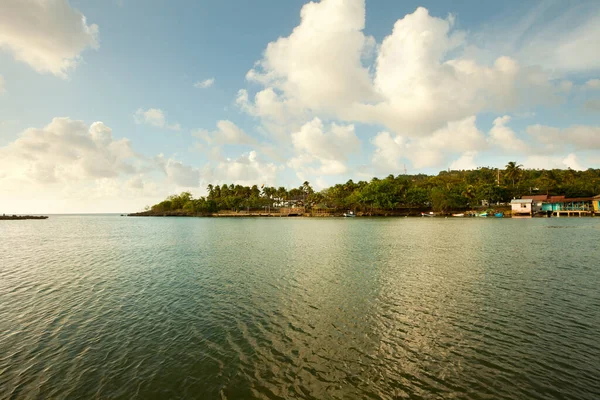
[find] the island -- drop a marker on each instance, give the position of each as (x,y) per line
(480,192)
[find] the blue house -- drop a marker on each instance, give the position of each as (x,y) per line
(561,206)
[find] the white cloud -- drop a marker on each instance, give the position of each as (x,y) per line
(329,148)
(465,162)
(456,137)
(593,84)
(577,137)
(154,117)
(205,83)
(388,151)
(182,175)
(48,35)
(320,62)
(227,133)
(415,88)
(503,137)
(82,168)
(68,151)
(572,162)
(248,169)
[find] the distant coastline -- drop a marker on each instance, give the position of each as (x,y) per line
(5,217)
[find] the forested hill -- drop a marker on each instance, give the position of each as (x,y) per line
(449,190)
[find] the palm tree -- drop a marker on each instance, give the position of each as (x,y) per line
(469,193)
(513,171)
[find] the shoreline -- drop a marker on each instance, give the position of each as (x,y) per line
(244,214)
(21,217)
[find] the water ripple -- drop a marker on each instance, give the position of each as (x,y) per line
(109,307)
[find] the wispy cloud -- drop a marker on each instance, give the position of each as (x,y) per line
(154,117)
(205,83)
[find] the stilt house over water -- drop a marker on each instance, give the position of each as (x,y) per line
(556,205)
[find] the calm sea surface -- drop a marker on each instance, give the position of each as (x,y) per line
(115,307)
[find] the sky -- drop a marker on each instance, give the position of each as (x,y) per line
(112,105)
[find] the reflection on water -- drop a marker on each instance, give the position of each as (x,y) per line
(299,308)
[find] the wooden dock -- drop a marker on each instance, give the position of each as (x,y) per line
(572,213)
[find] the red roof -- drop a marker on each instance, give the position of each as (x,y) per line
(561,199)
(537,197)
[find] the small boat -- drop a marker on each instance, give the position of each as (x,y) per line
(349,214)
(427,215)
(458,215)
(483,214)
(499,215)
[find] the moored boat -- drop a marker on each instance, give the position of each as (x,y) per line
(458,215)
(349,214)
(426,215)
(483,214)
(499,215)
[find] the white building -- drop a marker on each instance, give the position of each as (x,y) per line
(521,206)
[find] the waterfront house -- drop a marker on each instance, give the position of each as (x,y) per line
(538,201)
(562,206)
(521,206)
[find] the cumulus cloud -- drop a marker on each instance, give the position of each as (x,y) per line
(48,35)
(465,162)
(181,174)
(577,137)
(329,147)
(248,169)
(320,62)
(503,137)
(456,137)
(154,117)
(226,133)
(204,84)
(571,161)
(417,84)
(66,151)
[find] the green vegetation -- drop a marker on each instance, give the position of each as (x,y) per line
(452,190)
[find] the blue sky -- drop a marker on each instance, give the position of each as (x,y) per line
(108,113)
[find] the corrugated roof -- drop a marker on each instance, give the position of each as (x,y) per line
(521,201)
(574,199)
(536,197)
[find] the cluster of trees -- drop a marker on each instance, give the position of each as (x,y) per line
(449,190)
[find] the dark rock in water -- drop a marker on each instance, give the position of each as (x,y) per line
(19,217)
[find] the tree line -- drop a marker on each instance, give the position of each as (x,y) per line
(449,190)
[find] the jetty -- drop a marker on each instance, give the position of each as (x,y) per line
(5,217)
